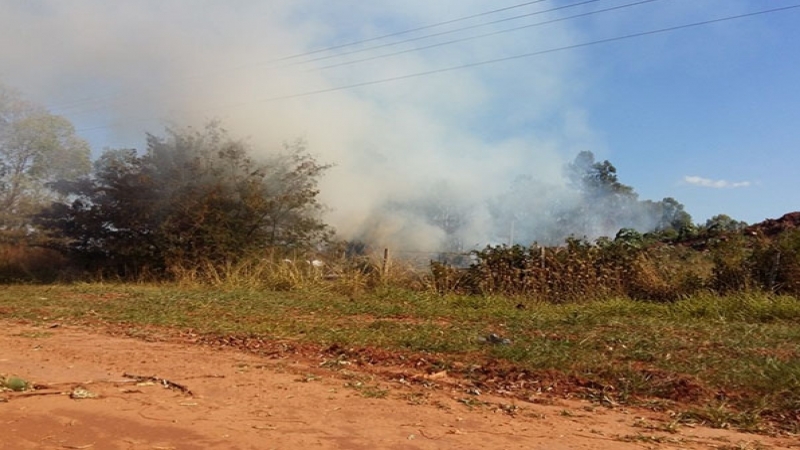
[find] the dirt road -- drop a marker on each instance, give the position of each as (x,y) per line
(94,390)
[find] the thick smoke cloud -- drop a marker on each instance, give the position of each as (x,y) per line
(412,157)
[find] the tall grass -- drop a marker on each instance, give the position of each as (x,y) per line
(584,271)
(349,276)
(579,271)
(21,263)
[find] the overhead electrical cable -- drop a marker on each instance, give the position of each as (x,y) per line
(494,60)
(519,56)
(83,101)
(443,33)
(480,36)
(99,100)
(408,31)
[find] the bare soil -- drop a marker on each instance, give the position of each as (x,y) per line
(94,388)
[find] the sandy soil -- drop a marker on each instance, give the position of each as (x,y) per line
(176,395)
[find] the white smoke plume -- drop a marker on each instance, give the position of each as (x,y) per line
(457,138)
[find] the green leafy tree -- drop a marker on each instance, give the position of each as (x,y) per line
(193,197)
(723,223)
(36,148)
(606,204)
(673,215)
(595,204)
(596,179)
(613,205)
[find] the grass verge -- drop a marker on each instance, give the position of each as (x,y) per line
(729,361)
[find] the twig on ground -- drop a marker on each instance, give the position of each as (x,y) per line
(162,381)
(429,437)
(35,393)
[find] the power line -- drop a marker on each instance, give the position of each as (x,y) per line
(408,31)
(442,33)
(481,36)
(520,56)
(584,2)
(495,60)
(84,101)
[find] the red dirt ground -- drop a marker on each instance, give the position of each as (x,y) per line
(237,400)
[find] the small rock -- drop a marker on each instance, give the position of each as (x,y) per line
(496,339)
(80,393)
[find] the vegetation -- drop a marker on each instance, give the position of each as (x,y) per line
(194,198)
(632,266)
(723,361)
(36,148)
(214,237)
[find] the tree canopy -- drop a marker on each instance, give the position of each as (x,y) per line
(36,148)
(595,203)
(194,196)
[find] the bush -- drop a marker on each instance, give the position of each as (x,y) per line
(775,264)
(21,263)
(192,199)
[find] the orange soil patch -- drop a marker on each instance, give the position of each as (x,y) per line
(293,399)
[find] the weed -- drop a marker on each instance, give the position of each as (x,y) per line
(666,427)
(649,439)
(745,445)
(367,390)
(472,402)
(417,398)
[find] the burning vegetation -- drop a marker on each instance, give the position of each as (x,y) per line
(199,203)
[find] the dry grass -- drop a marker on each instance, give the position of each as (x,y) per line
(21,263)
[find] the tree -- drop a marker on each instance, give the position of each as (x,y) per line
(596,179)
(606,204)
(36,148)
(193,197)
(723,223)
(673,216)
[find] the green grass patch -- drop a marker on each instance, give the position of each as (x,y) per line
(735,358)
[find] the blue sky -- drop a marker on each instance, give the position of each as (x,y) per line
(708,115)
(714,103)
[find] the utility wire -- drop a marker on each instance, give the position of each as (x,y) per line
(86,100)
(408,31)
(520,56)
(481,36)
(496,60)
(443,33)
(99,100)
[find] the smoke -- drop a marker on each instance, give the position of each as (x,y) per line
(423,163)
